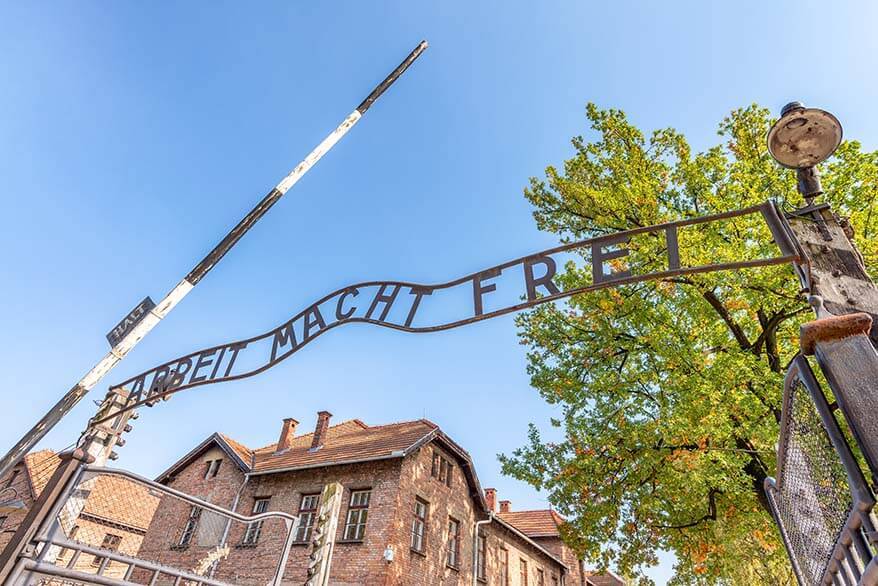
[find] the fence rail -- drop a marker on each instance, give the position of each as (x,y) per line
(115,528)
(820,500)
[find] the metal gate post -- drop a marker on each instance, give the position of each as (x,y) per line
(847,357)
(41,513)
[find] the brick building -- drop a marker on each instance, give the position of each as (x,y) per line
(413,511)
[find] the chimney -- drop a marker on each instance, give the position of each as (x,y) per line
(320,430)
(504,506)
(491,497)
(287,431)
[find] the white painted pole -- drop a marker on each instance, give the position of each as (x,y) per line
(137,333)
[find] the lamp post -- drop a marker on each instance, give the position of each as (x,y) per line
(832,273)
(802,138)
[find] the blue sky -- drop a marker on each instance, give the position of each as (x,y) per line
(132,136)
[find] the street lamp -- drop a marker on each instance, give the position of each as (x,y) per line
(802,138)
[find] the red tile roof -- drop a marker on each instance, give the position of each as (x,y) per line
(242,451)
(540,523)
(119,500)
(349,441)
(40,467)
(111,498)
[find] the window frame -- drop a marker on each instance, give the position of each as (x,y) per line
(442,469)
(213,467)
(189,527)
(437,458)
(452,542)
(419,520)
(254,528)
(482,557)
(541,577)
(362,516)
(115,542)
(504,566)
(522,571)
(304,531)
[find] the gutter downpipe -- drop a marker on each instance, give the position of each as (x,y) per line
(476,526)
(228,526)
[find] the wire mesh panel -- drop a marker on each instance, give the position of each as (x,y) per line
(116,527)
(820,499)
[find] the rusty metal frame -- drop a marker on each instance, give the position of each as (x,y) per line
(48,538)
(850,544)
(166,382)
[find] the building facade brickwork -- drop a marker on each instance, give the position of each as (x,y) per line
(412,512)
(424,501)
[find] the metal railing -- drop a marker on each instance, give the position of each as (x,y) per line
(820,500)
(112,527)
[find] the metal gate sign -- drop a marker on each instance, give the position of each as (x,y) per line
(647,253)
(134,317)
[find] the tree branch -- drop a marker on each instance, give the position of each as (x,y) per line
(710,516)
(736,329)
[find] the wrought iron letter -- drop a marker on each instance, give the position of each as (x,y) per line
(545,280)
(313,311)
(179,373)
(343,315)
(235,348)
(158,380)
(282,336)
(599,256)
(418,292)
(480,289)
(387,300)
(204,359)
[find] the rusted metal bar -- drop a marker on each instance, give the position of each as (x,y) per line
(71,465)
(151,318)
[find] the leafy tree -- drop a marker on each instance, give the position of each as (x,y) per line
(670,390)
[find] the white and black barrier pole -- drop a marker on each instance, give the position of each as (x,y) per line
(147,315)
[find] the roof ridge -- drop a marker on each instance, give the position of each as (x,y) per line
(531,511)
(231,440)
(355,421)
(429,423)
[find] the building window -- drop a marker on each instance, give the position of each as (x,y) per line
(554,580)
(504,566)
(541,578)
(3,520)
(358,511)
(212,468)
(453,558)
(111,543)
(254,528)
(481,558)
(441,469)
(307,514)
(189,527)
(419,525)
(522,568)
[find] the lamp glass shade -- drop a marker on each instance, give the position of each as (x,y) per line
(804,137)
